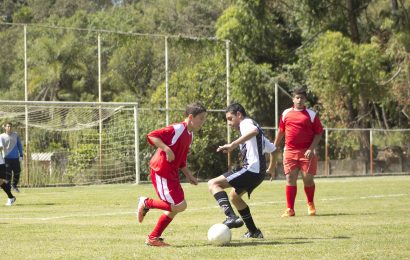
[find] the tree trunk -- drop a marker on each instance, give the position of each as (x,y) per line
(394,5)
(351,14)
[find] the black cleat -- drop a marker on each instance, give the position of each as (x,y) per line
(233,222)
(255,234)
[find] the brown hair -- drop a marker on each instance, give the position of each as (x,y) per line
(299,91)
(194,109)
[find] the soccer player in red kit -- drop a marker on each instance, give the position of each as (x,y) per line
(173,144)
(302,130)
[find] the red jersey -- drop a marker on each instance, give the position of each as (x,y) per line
(300,127)
(179,139)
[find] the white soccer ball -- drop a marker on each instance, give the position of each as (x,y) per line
(219,234)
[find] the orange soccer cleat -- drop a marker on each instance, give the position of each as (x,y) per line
(311,209)
(142,210)
(156,241)
(288,213)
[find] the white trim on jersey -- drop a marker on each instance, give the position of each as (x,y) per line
(179,129)
(311,113)
(163,190)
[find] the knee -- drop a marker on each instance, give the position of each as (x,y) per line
(211,184)
(234,197)
(180,207)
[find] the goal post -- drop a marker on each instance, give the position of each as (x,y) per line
(75,143)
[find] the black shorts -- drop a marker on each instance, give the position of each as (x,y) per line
(244,180)
(3,173)
(13,165)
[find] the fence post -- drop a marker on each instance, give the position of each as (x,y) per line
(371,151)
(327,166)
(166,82)
(228,97)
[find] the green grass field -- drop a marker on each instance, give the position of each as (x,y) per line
(358,218)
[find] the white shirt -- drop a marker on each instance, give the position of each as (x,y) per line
(1,152)
(250,148)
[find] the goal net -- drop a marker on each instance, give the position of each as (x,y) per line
(75,142)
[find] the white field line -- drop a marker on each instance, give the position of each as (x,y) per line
(192,209)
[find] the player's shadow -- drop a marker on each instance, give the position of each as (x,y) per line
(34,204)
(316,238)
(341,214)
(262,242)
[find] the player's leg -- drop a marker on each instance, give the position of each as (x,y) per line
(6,188)
(251,181)
(15,166)
(9,172)
(217,188)
(291,191)
(171,200)
(309,168)
(291,167)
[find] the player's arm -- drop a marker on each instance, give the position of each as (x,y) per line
(279,138)
(230,147)
(160,144)
(273,158)
(189,176)
(20,147)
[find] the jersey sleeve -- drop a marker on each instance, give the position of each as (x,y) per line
(165,134)
(281,124)
(268,147)
(19,146)
(247,126)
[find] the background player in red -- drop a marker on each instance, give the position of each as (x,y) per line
(302,130)
(173,144)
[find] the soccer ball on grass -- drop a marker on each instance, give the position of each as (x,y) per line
(219,234)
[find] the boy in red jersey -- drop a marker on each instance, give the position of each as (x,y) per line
(302,130)
(173,144)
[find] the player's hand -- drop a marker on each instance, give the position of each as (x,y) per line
(309,153)
(192,179)
(170,154)
(224,148)
(272,172)
(20,159)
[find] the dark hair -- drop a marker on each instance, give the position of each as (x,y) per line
(8,123)
(234,108)
(194,109)
(299,91)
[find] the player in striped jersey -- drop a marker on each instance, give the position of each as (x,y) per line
(252,144)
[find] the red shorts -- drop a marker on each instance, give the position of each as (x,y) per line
(293,159)
(167,190)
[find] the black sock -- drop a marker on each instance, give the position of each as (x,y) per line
(6,189)
(247,218)
(223,201)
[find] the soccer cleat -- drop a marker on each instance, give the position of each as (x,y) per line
(311,209)
(255,234)
(156,241)
(233,222)
(10,201)
(142,209)
(288,213)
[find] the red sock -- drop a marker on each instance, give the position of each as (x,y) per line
(157,204)
(310,193)
(162,224)
(291,196)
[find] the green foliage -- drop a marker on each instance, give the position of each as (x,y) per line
(344,76)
